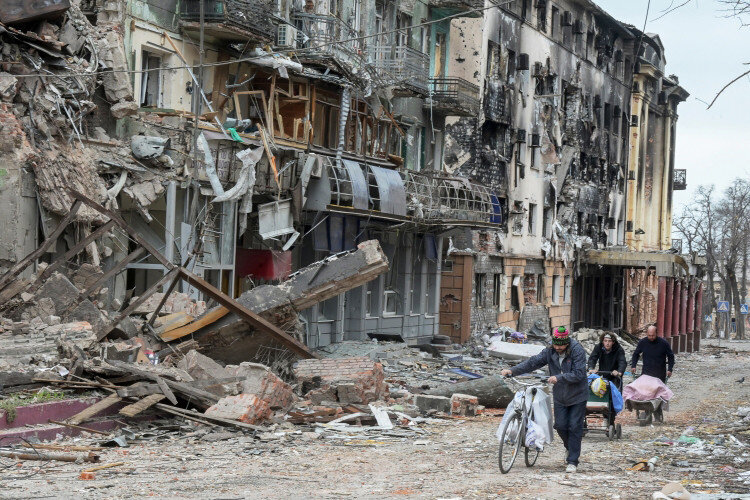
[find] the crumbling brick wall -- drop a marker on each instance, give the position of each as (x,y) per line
(346,380)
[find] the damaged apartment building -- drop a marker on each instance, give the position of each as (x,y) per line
(575,137)
(514,161)
(243,140)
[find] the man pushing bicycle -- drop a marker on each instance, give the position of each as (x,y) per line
(566,362)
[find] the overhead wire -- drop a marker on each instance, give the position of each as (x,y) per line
(263,56)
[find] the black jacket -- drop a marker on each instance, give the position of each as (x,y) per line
(608,361)
(572,386)
(656,356)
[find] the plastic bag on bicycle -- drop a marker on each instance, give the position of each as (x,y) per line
(539,429)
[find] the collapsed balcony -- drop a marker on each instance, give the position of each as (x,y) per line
(405,68)
(453,96)
(381,193)
(231,20)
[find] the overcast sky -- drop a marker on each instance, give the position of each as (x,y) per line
(706,51)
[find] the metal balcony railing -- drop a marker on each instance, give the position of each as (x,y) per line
(252,16)
(471,7)
(680,179)
(454,96)
(326,35)
(402,66)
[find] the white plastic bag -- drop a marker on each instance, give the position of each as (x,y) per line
(535,436)
(509,412)
(542,408)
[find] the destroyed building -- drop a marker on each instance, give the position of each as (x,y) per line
(575,136)
(514,162)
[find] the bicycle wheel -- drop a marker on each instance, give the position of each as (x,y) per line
(510,443)
(530,455)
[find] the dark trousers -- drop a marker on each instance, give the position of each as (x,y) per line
(569,425)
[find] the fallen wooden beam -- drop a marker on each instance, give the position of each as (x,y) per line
(205,320)
(80,428)
(59,457)
(92,410)
(143,404)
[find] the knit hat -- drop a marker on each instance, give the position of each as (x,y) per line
(560,336)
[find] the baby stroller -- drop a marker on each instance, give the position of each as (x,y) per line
(600,411)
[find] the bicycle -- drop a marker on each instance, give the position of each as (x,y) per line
(514,432)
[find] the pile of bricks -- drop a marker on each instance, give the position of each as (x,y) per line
(357,380)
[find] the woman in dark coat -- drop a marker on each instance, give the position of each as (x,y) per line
(610,356)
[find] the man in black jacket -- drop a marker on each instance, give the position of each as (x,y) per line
(610,356)
(566,361)
(658,358)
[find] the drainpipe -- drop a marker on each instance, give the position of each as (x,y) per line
(343,116)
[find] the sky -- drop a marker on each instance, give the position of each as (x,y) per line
(706,50)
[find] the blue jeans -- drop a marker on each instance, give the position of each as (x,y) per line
(569,425)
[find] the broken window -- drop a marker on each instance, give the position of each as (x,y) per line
(556,289)
(497,289)
(479,288)
(511,68)
(541,16)
(440,55)
(403,25)
(516,293)
(547,223)
(524,9)
(493,60)
(532,218)
(607,116)
(540,282)
(390,303)
(151,80)
(566,290)
(555,22)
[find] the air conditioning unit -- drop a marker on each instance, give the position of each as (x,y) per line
(538,69)
(287,37)
(633,120)
(536,141)
(523,62)
(520,135)
(567,18)
(578,27)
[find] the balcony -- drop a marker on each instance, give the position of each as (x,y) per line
(405,68)
(230,20)
(680,180)
(453,97)
(471,7)
(324,37)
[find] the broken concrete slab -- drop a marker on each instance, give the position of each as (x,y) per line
(426,403)
(511,351)
(227,339)
(202,367)
(247,408)
(361,380)
(260,380)
(123,109)
(86,275)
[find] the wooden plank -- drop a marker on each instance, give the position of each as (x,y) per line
(200,417)
(163,300)
(143,404)
(197,396)
(92,410)
(93,431)
(24,263)
(164,388)
(140,300)
(172,322)
(208,318)
(246,314)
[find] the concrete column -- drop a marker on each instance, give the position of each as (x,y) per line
(660,305)
(683,307)
(668,306)
(169,225)
(676,307)
(690,325)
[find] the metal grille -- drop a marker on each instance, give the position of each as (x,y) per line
(455,95)
(404,67)
(251,15)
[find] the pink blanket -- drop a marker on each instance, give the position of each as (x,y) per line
(645,388)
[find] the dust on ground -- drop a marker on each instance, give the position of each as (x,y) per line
(452,458)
